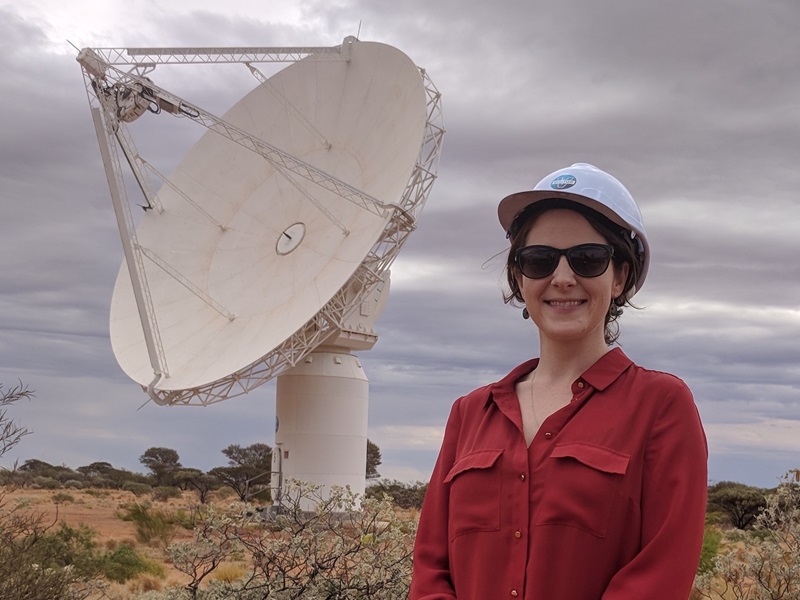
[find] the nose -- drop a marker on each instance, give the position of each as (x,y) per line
(563,276)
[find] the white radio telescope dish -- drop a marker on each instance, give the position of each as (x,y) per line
(278,227)
(242,253)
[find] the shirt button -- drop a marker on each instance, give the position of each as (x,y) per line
(522,476)
(581,385)
(517,534)
(514,593)
(548,435)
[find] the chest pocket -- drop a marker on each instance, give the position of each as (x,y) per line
(475,482)
(581,487)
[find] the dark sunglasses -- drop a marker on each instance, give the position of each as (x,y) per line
(585,260)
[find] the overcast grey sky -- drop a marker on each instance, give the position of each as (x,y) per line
(693,104)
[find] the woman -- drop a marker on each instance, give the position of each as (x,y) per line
(580,475)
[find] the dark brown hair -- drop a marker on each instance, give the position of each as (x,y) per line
(616,235)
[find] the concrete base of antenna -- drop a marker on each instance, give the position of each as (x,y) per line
(321,424)
(322,407)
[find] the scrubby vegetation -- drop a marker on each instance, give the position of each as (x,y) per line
(348,547)
(763,561)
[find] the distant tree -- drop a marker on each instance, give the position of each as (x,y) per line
(10,432)
(234,478)
(104,474)
(96,469)
(37,467)
(373,460)
(33,468)
(741,503)
(162,462)
(255,456)
(403,495)
(249,470)
(196,480)
(98,474)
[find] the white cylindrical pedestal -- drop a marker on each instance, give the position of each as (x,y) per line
(321,429)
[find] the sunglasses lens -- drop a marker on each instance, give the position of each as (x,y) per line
(589,260)
(537,262)
(586,260)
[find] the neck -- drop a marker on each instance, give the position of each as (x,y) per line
(565,362)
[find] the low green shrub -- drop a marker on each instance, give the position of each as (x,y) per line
(150,524)
(62,497)
(45,483)
(137,489)
(124,563)
(712,538)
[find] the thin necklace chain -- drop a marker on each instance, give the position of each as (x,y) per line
(533,403)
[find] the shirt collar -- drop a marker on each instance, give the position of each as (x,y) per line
(600,375)
(606,370)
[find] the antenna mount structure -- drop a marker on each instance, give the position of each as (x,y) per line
(272,239)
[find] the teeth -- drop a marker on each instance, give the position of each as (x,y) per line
(565,302)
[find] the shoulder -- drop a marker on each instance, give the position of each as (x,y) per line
(480,397)
(660,379)
(662,394)
(619,376)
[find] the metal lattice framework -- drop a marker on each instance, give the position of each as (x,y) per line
(104,79)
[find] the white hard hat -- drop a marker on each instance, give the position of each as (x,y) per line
(587,185)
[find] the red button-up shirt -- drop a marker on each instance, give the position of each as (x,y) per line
(608,502)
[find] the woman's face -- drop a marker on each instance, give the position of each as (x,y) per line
(564,306)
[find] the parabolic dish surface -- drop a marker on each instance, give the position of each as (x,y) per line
(278,257)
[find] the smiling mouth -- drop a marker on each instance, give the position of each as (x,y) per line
(564,303)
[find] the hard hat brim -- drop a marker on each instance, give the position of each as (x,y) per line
(514,204)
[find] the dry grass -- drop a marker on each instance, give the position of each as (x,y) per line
(98,510)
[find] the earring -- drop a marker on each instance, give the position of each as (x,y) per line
(525,313)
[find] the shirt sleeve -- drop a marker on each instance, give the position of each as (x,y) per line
(673,506)
(431,573)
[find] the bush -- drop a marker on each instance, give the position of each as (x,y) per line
(62,497)
(711,542)
(137,489)
(763,564)
(150,524)
(187,520)
(348,547)
(404,495)
(36,564)
(45,483)
(124,563)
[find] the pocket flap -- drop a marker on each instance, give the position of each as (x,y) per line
(480,459)
(597,457)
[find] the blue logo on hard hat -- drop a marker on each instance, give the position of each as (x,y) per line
(562,182)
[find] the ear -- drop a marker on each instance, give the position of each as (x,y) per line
(518,277)
(620,277)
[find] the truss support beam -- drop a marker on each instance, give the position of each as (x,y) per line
(133,258)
